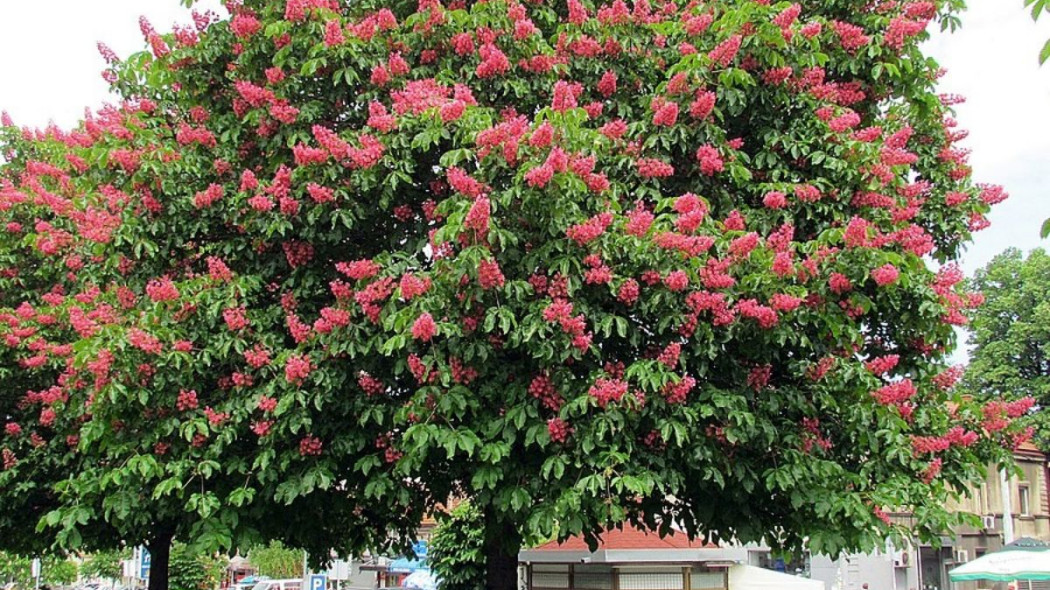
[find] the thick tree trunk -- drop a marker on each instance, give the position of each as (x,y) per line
(501,570)
(159,552)
(501,556)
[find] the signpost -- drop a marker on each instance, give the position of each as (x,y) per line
(35,570)
(318,582)
(144,563)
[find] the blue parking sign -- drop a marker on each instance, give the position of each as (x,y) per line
(144,563)
(318,582)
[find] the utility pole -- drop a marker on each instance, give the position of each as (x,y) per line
(1008,515)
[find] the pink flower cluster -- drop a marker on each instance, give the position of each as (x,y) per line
(559,430)
(310,446)
(606,391)
(560,311)
(956,436)
(413,286)
(477,218)
(677,392)
(669,355)
(886,274)
(895,393)
(653,168)
(358,269)
(628,292)
(297,368)
(710,160)
(144,341)
(723,54)
(881,365)
(370,384)
(162,289)
(751,308)
(758,377)
(424,328)
(542,388)
(590,229)
(236,318)
(187,400)
(489,274)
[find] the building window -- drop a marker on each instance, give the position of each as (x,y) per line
(1024,504)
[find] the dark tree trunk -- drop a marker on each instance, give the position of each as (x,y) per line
(159,553)
(501,570)
(501,556)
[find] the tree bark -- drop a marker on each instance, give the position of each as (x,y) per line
(501,556)
(501,570)
(160,553)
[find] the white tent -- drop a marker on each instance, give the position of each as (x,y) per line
(747,577)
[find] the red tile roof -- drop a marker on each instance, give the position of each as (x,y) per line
(630,537)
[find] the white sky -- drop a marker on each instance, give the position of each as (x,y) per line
(49,66)
(50,70)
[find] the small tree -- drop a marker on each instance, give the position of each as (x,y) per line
(104,564)
(277,561)
(15,569)
(457,549)
(193,570)
(58,570)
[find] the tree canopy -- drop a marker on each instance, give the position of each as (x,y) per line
(1010,339)
(580,263)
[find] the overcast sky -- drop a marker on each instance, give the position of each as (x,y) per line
(50,70)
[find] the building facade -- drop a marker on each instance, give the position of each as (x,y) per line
(633,559)
(924,567)
(636,560)
(1029,509)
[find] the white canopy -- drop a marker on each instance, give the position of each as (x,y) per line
(747,577)
(1024,559)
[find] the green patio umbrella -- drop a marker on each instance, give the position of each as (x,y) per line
(1024,559)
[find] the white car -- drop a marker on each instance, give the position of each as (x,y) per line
(288,584)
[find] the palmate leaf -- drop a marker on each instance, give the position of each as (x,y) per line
(1044,53)
(1037,6)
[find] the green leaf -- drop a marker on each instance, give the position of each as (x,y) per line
(1044,54)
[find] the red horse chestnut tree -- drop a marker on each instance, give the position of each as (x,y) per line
(665,262)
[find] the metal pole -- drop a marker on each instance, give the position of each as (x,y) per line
(1008,516)
(918,566)
(1008,513)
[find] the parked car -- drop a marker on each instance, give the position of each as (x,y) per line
(288,584)
(248,582)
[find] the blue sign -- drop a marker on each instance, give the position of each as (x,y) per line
(144,562)
(318,582)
